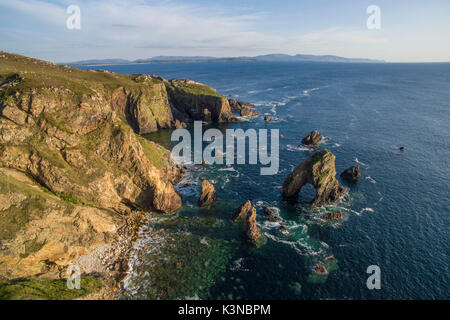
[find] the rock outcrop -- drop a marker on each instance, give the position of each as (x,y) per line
(270,215)
(320,269)
(352,174)
(313,139)
(333,216)
(245,109)
(192,101)
(208,194)
(242,212)
(247,213)
(319,171)
(251,228)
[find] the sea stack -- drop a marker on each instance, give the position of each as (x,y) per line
(242,212)
(352,174)
(247,213)
(208,195)
(313,139)
(251,228)
(319,171)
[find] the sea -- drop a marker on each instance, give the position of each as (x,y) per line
(396,215)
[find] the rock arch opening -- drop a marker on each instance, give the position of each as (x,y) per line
(307,194)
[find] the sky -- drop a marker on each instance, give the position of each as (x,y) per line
(410,30)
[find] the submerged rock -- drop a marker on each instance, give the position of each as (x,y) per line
(208,194)
(319,171)
(333,216)
(251,228)
(242,212)
(321,269)
(271,216)
(351,174)
(313,139)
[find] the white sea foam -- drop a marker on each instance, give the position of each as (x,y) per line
(237,265)
(308,91)
(371,179)
(361,163)
(367,209)
(228,169)
(305,250)
(291,147)
(204,242)
(270,225)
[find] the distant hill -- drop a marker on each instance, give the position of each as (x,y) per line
(199,59)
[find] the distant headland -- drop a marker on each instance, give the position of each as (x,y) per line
(199,59)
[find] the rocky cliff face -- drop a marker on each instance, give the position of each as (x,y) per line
(320,172)
(73,167)
(195,101)
(245,109)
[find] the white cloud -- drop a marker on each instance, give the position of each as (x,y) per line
(162,27)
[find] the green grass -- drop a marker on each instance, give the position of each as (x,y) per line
(197,89)
(47,289)
(70,198)
(158,156)
(31,246)
(41,74)
(193,88)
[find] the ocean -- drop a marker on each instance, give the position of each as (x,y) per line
(396,217)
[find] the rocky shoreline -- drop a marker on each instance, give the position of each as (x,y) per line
(77,176)
(79,182)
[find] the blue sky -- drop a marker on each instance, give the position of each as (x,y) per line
(411,30)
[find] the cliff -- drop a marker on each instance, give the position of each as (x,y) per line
(74,170)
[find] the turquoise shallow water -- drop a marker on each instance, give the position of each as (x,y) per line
(398,213)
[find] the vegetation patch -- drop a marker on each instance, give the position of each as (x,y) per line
(47,289)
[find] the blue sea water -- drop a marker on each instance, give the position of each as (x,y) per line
(398,213)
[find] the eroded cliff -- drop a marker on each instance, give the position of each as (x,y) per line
(73,168)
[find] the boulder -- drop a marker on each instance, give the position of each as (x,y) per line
(313,139)
(319,171)
(208,194)
(242,212)
(351,174)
